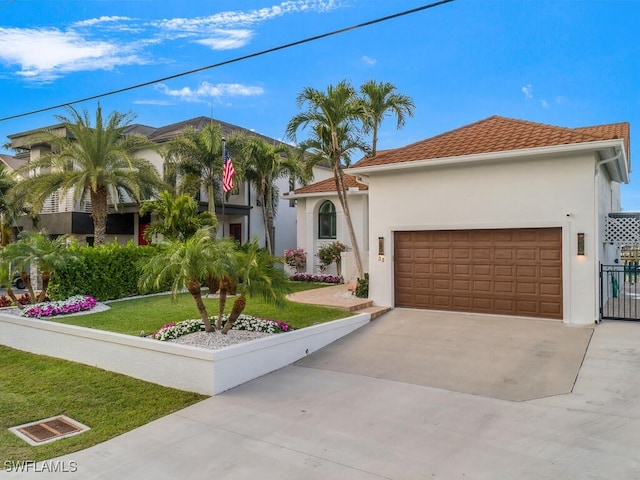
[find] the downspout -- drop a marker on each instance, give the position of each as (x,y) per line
(607,160)
(596,242)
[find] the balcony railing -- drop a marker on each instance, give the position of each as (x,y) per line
(61,203)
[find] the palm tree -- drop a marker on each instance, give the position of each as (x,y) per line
(11,206)
(263,164)
(380,99)
(176,218)
(258,277)
(37,248)
(93,161)
(187,265)
(335,117)
(197,156)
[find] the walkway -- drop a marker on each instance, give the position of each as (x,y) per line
(338,296)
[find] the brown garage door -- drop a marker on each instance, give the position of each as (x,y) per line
(507,271)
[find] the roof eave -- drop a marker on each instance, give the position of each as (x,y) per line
(492,156)
(294,196)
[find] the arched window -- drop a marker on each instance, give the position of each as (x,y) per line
(327,220)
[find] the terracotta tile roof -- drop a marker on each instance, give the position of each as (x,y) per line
(496,134)
(329,185)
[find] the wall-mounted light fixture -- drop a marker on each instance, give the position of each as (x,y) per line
(581,244)
(381,249)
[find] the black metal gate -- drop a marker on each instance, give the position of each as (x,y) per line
(619,292)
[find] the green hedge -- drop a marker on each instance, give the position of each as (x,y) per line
(106,272)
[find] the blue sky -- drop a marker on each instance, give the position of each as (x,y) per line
(565,63)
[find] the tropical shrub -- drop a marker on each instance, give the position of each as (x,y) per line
(362,288)
(296,258)
(316,278)
(106,272)
(330,253)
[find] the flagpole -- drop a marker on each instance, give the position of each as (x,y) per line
(224,148)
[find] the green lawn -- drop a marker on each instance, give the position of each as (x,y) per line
(150,313)
(34,387)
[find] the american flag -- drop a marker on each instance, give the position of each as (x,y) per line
(227,172)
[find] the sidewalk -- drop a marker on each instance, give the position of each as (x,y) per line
(316,423)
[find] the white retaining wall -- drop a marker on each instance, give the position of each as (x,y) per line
(179,366)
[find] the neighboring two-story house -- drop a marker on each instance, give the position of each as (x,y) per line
(242,218)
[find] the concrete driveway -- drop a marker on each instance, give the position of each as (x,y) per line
(328,419)
(509,358)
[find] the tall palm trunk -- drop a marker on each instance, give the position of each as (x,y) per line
(13,297)
(265,218)
(99,214)
(224,287)
(238,307)
(26,278)
(46,276)
(270,216)
(341,188)
(193,286)
(212,199)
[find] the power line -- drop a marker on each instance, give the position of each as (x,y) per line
(228,62)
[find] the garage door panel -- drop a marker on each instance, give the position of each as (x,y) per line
(528,288)
(462,269)
(503,287)
(481,304)
(441,237)
(441,254)
(422,268)
(527,307)
(482,254)
(550,289)
(482,286)
(551,273)
(480,271)
(442,269)
(516,272)
(462,286)
(442,302)
(461,254)
(422,254)
(462,303)
(551,309)
(550,254)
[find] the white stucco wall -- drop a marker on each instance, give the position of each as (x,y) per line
(534,192)
(307,230)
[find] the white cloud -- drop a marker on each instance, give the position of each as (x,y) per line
(46,53)
(239,18)
(226,39)
(528,91)
(207,90)
(94,21)
(105,42)
(544,103)
(369,60)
